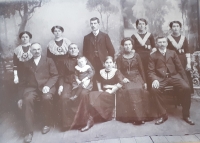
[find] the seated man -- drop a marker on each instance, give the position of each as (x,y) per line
(40,83)
(165,69)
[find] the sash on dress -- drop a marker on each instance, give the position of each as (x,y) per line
(144,40)
(178,45)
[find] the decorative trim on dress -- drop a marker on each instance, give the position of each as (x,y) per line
(21,55)
(144,40)
(108,75)
(56,50)
(178,45)
(82,69)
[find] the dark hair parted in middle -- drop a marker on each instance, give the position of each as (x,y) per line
(108,57)
(95,18)
(141,19)
(25,32)
(178,22)
(127,39)
(59,27)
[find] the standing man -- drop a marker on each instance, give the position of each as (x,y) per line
(165,69)
(39,84)
(96,46)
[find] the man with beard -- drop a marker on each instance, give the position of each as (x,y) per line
(39,84)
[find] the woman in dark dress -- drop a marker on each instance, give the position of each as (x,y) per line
(21,54)
(58,47)
(133,102)
(101,102)
(144,42)
(179,43)
(71,107)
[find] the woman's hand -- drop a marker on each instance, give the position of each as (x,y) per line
(60,90)
(73,97)
(45,89)
(126,80)
(16,79)
(109,91)
(188,67)
(19,103)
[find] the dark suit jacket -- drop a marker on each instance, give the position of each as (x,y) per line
(104,46)
(158,65)
(44,74)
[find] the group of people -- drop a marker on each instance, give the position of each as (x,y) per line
(86,84)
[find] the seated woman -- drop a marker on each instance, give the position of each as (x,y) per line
(102,101)
(133,101)
(70,106)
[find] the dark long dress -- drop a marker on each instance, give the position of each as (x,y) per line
(21,55)
(133,103)
(103,102)
(72,111)
(181,54)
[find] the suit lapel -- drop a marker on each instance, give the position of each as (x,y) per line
(40,63)
(99,36)
(160,56)
(167,54)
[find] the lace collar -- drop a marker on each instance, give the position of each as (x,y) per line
(82,69)
(21,55)
(108,75)
(56,50)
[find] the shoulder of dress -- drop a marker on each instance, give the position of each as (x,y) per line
(17,49)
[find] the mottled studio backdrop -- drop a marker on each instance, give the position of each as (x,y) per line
(117,19)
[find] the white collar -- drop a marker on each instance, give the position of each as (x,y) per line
(36,60)
(95,32)
(162,51)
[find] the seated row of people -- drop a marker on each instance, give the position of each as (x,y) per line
(73,77)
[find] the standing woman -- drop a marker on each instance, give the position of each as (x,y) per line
(133,102)
(58,47)
(179,43)
(21,54)
(144,42)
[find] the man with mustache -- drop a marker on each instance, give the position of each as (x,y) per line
(39,84)
(96,47)
(164,69)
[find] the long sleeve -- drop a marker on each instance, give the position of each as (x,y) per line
(140,65)
(109,46)
(152,41)
(53,74)
(15,62)
(85,48)
(90,73)
(151,69)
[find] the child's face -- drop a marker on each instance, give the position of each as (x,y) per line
(82,62)
(109,64)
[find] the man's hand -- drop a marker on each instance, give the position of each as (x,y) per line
(16,79)
(155,84)
(45,89)
(126,80)
(145,86)
(19,103)
(60,90)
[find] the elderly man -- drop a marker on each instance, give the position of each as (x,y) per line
(40,84)
(165,69)
(96,46)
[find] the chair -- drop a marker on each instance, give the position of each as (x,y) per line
(169,91)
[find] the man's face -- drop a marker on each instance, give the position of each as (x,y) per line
(36,50)
(94,25)
(73,50)
(162,43)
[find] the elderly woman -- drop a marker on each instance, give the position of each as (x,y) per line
(133,102)
(179,43)
(21,54)
(101,102)
(71,107)
(58,47)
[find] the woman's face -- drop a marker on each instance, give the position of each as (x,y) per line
(57,33)
(109,64)
(128,46)
(141,25)
(73,50)
(25,38)
(176,28)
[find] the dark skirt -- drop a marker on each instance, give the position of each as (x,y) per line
(134,103)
